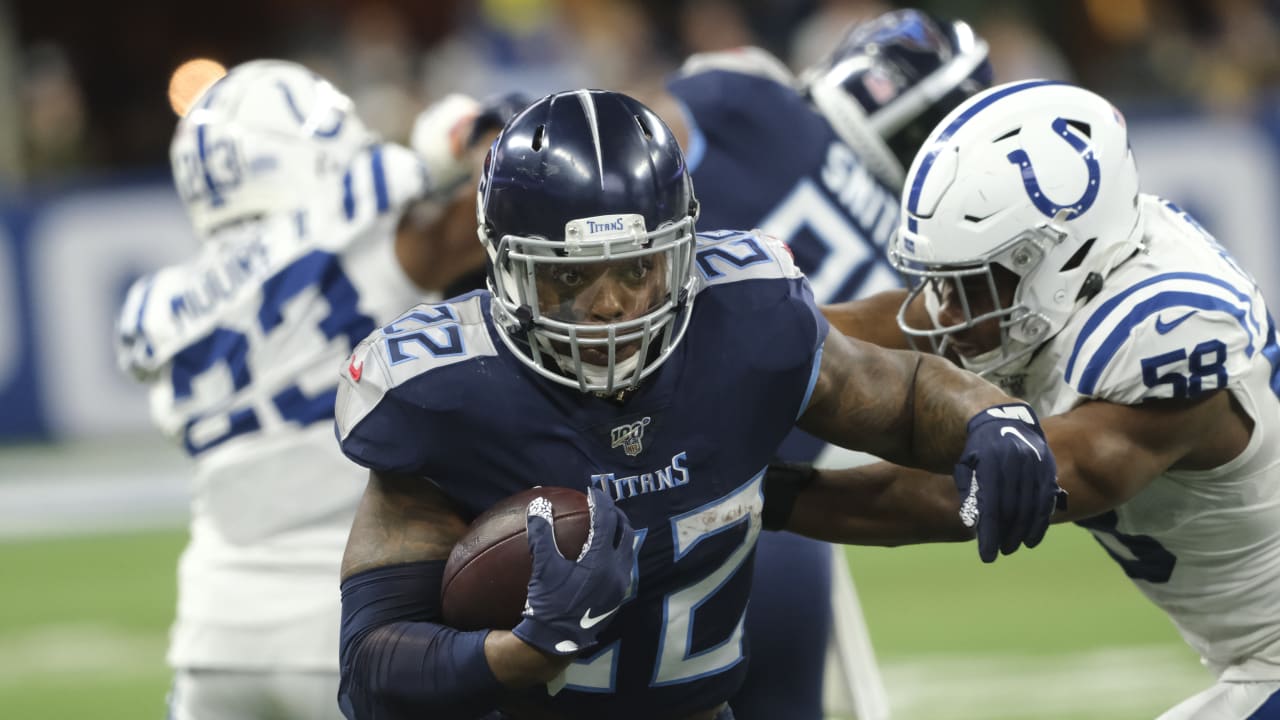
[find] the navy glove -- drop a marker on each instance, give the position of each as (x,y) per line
(1008,480)
(572,601)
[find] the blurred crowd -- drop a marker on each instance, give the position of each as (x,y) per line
(83,86)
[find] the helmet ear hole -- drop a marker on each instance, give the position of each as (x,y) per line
(1082,126)
(538,134)
(1078,257)
(644,127)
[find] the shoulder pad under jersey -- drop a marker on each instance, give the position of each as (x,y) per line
(422,340)
(1171,335)
(725,256)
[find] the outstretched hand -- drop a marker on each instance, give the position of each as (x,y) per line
(1008,480)
(571,601)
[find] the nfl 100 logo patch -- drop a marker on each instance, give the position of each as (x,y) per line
(629,437)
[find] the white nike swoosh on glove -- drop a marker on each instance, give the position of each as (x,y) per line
(589,622)
(1006,430)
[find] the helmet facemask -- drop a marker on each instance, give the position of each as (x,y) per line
(554,299)
(1029,188)
(993,289)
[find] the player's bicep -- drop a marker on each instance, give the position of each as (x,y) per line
(401,519)
(860,397)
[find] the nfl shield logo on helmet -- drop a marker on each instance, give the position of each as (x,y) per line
(629,437)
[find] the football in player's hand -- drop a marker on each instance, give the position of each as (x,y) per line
(486,578)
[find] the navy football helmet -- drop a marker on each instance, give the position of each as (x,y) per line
(587,211)
(891,79)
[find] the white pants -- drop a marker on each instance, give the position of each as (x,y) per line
(254,695)
(1230,701)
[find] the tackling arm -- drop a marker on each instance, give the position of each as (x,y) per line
(1106,453)
(921,410)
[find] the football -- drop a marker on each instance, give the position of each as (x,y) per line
(486,578)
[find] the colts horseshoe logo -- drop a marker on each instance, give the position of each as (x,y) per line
(1043,203)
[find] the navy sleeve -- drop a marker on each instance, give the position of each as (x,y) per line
(398,661)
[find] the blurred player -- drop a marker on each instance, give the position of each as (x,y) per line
(1037,262)
(618,353)
(312,235)
(818,163)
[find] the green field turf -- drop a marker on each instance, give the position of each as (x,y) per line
(1052,634)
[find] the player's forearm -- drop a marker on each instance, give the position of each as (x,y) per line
(395,652)
(878,504)
(518,664)
(943,399)
(1099,468)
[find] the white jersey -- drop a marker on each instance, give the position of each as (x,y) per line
(242,348)
(1175,320)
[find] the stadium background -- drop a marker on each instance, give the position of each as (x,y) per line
(92,504)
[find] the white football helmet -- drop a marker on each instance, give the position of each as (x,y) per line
(262,140)
(1036,177)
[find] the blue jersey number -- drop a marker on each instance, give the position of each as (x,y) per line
(230,349)
(677,662)
(1141,556)
(1207,360)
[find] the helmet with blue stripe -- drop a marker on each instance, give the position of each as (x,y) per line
(587,211)
(891,79)
(1030,186)
(261,141)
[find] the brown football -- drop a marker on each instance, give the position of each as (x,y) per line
(486,578)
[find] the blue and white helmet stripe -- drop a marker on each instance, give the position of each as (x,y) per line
(939,138)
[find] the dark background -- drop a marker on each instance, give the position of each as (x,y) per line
(85,83)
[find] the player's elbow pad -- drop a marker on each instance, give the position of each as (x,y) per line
(398,661)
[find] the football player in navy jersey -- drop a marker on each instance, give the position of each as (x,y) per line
(619,353)
(817,161)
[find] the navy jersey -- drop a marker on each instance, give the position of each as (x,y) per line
(437,394)
(742,109)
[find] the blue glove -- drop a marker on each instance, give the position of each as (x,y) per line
(572,601)
(1008,480)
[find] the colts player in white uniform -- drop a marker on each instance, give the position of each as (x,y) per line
(1116,313)
(307,246)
